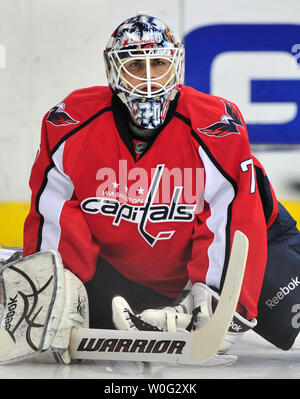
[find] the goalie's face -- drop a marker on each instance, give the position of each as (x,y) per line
(144,62)
(146,80)
(147,76)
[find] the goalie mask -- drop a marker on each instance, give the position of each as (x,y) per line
(144,63)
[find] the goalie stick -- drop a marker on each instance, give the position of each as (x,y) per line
(197,346)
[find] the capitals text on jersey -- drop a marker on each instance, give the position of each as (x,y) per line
(142,214)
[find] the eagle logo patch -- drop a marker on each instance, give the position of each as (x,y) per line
(228,124)
(59,117)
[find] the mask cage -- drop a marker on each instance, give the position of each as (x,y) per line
(117,60)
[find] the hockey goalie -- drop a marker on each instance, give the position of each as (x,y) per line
(137,190)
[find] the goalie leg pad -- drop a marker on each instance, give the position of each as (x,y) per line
(75,314)
(32,303)
(39,307)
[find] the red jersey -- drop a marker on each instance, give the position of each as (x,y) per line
(162,217)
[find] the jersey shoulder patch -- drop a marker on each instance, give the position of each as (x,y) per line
(228,123)
(59,117)
(211,115)
(79,105)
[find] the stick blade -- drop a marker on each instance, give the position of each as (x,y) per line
(207,341)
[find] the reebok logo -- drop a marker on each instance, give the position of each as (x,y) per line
(282,293)
(11,306)
(234,327)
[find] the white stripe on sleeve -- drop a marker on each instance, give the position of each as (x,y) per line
(58,190)
(218,193)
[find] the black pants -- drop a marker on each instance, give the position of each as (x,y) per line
(279,303)
(107,283)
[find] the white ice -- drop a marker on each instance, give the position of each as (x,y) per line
(257,359)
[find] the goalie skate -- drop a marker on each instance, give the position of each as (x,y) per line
(165,319)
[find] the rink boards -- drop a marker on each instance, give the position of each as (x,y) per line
(13,214)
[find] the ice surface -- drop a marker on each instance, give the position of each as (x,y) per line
(257,359)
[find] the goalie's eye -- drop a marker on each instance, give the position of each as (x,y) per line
(136,66)
(159,61)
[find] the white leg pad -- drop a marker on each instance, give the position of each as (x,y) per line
(39,306)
